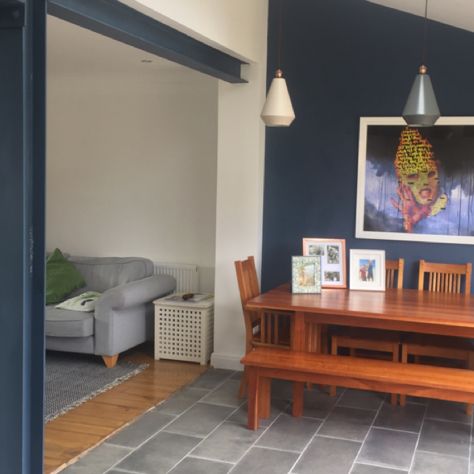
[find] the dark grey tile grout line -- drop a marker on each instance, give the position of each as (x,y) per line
(366,435)
(317,431)
(418,439)
(167,424)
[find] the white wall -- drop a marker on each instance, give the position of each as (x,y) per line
(239,27)
(131,166)
(232,26)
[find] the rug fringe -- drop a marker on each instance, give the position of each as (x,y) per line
(94,394)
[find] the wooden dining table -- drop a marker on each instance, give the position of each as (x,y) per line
(404,310)
(445,314)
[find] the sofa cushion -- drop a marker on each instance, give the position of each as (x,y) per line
(103,273)
(66,323)
(62,278)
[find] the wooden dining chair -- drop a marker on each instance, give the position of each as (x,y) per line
(262,328)
(373,340)
(441,278)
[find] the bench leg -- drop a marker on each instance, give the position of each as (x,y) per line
(470,366)
(253,398)
(298,396)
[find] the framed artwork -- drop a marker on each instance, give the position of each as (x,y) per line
(367,269)
(306,274)
(416,184)
(333,260)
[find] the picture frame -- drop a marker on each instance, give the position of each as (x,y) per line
(333,259)
(416,183)
(367,268)
(306,274)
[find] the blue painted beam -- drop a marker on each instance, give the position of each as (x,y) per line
(122,23)
(22,159)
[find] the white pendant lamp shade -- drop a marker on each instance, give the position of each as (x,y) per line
(421,109)
(277,110)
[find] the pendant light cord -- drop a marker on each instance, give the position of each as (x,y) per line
(425,36)
(280,34)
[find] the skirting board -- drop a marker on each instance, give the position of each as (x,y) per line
(226,361)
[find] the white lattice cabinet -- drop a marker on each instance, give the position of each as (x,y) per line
(184,329)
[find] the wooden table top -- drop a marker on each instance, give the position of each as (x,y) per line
(397,309)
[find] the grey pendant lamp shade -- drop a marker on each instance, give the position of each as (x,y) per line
(278,110)
(421,108)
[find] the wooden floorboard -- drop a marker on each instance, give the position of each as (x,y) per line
(84,427)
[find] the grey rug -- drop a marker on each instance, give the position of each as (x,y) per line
(72,379)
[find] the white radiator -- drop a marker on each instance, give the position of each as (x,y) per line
(187,275)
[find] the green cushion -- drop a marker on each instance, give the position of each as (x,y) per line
(62,278)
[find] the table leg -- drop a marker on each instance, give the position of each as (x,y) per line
(298,343)
(264,397)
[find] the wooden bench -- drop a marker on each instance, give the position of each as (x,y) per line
(264,364)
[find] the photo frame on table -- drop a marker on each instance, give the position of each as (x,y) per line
(333,259)
(416,184)
(306,274)
(367,269)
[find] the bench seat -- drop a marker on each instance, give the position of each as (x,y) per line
(264,364)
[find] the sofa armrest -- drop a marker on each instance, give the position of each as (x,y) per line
(134,293)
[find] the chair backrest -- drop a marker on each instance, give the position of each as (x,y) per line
(394,268)
(444,277)
(249,288)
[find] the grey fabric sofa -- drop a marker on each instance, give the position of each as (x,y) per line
(123,314)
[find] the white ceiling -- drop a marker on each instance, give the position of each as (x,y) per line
(459,13)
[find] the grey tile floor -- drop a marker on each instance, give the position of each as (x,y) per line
(202,429)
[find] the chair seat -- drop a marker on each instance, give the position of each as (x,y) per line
(450,342)
(66,323)
(367,334)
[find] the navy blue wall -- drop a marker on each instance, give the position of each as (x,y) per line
(344,59)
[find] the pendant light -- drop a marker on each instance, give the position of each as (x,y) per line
(277,110)
(421,109)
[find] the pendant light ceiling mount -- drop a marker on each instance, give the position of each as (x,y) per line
(421,108)
(278,110)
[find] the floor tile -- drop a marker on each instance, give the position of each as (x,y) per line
(200,466)
(348,423)
(290,433)
(388,448)
(227,394)
(317,403)
(98,460)
(445,437)
(181,401)
(159,454)
(430,463)
(277,406)
(282,389)
(407,418)
(327,455)
(228,443)
(367,469)
(211,379)
(361,399)
(141,429)
(448,411)
(199,420)
(237,375)
(265,461)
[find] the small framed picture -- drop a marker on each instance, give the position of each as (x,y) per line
(333,260)
(367,269)
(306,274)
